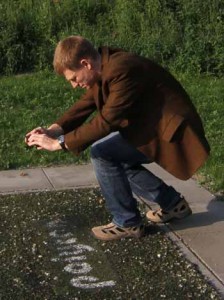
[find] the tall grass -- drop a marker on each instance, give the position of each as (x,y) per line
(184,34)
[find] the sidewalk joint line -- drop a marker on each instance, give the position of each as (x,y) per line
(203,267)
(48,178)
(194,253)
(190,254)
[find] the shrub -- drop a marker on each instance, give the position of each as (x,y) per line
(183,34)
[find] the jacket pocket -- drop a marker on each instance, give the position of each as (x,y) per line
(172,127)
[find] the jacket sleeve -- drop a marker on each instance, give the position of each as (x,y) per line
(124,91)
(78,113)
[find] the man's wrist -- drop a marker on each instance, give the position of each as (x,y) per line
(61,141)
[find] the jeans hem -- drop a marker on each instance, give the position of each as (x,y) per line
(127,225)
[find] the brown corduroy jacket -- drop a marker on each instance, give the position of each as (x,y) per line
(147,105)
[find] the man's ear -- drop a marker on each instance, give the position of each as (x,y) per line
(86,63)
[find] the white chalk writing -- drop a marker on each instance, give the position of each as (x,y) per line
(91,282)
(69,252)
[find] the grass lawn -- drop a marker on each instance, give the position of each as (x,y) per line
(207,95)
(38,99)
(47,252)
(27,102)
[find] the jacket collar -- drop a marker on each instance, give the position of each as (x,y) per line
(104,52)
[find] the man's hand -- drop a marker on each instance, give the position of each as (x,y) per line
(53,131)
(43,141)
(38,130)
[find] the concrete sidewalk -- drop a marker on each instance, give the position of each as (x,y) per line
(200,236)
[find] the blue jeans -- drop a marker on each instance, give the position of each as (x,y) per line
(119,171)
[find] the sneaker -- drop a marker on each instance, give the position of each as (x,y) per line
(180,211)
(111,232)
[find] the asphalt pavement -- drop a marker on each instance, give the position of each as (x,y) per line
(200,236)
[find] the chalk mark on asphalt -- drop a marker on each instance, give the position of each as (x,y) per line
(69,252)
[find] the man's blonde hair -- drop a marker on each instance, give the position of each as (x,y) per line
(70,51)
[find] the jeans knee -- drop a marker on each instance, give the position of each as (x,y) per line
(95,152)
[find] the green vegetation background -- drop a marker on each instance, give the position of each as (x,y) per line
(186,36)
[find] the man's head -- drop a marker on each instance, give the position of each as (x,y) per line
(77,59)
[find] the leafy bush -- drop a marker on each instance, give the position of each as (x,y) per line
(183,34)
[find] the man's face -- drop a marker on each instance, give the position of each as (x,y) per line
(84,77)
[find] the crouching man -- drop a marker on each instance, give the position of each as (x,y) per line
(143,115)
